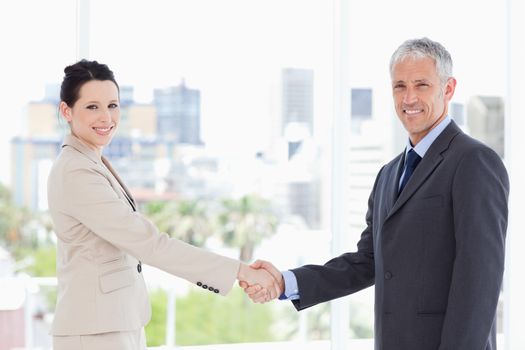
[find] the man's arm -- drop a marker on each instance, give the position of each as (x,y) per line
(343,275)
(291,289)
(480,193)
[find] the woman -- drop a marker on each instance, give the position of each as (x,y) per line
(102,240)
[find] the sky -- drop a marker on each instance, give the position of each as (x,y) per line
(234,50)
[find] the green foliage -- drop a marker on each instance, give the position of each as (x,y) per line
(205,318)
(51,294)
(361,320)
(14,222)
(188,220)
(318,321)
(156,328)
(242,223)
(40,262)
(245,222)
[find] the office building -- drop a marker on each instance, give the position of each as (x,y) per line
(486,121)
(297,98)
(178,114)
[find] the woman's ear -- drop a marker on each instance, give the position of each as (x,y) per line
(65,111)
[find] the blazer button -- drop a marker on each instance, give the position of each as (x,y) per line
(139,267)
(205,286)
(211,288)
(216,291)
(199,284)
(388,275)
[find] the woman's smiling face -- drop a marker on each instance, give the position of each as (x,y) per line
(95,115)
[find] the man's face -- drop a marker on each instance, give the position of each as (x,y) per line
(420,99)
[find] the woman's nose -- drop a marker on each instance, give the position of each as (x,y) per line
(105,115)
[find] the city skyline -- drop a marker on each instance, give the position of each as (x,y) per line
(158,150)
(236,60)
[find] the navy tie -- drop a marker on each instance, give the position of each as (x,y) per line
(411,163)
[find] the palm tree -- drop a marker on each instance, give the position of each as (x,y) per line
(186,219)
(14,220)
(244,222)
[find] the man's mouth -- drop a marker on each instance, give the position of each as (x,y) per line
(412,111)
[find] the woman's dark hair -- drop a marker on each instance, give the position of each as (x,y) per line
(80,73)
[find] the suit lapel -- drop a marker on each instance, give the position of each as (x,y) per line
(393,181)
(123,187)
(430,161)
(73,141)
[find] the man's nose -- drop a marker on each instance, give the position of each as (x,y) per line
(410,96)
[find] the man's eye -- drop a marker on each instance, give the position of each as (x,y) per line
(92,107)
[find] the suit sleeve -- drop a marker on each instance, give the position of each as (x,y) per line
(92,201)
(480,193)
(343,275)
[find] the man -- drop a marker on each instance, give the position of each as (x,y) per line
(436,224)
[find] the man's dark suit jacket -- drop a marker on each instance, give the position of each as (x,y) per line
(435,252)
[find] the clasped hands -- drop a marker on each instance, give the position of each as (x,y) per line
(261,281)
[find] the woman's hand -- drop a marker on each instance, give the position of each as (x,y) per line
(260,282)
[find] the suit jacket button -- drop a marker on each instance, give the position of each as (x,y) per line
(388,275)
(216,291)
(205,286)
(139,267)
(199,284)
(211,288)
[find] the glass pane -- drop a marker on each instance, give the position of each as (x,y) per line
(479,57)
(229,104)
(38,41)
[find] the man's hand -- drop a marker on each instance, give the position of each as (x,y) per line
(260,282)
(256,293)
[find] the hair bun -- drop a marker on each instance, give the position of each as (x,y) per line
(78,74)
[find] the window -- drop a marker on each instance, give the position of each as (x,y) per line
(230,103)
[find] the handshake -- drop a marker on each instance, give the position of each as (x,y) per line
(261,281)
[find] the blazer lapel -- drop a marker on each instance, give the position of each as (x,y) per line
(125,190)
(430,161)
(73,141)
(393,181)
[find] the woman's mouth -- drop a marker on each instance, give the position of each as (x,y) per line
(103,131)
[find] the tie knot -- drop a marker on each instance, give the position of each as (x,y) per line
(413,159)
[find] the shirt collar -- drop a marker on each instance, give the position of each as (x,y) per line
(422,146)
(76,143)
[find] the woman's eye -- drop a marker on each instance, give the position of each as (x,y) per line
(92,107)
(113,105)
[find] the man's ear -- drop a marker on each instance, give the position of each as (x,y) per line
(450,87)
(65,111)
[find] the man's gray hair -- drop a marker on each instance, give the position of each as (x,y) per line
(424,47)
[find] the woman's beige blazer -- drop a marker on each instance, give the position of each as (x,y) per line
(102,241)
